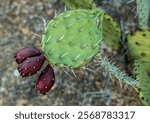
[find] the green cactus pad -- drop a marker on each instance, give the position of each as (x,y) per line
(143,7)
(111,32)
(72,39)
(142,71)
(80,4)
(139,45)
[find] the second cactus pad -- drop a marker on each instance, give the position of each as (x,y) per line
(72,38)
(111,32)
(142,72)
(139,45)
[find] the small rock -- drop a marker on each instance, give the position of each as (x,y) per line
(98,84)
(16,73)
(50,13)
(25,31)
(22,102)
(4,79)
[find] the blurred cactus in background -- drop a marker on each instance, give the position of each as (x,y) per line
(143,10)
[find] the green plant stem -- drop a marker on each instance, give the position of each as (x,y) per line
(114,71)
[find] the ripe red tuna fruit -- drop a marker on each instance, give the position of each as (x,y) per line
(45,80)
(31,65)
(25,53)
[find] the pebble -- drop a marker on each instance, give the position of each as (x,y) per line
(4,79)
(16,73)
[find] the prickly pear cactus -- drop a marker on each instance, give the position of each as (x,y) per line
(139,45)
(139,50)
(142,71)
(73,38)
(80,4)
(143,7)
(111,32)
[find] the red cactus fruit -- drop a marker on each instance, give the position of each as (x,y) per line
(25,53)
(45,80)
(31,65)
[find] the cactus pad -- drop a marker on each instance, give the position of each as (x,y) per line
(143,76)
(80,4)
(143,7)
(139,45)
(111,32)
(72,38)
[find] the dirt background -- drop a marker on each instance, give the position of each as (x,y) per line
(19,19)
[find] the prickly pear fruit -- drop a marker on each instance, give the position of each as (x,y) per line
(31,65)
(79,4)
(139,45)
(72,39)
(25,53)
(142,72)
(45,80)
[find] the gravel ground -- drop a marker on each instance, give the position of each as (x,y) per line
(19,20)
